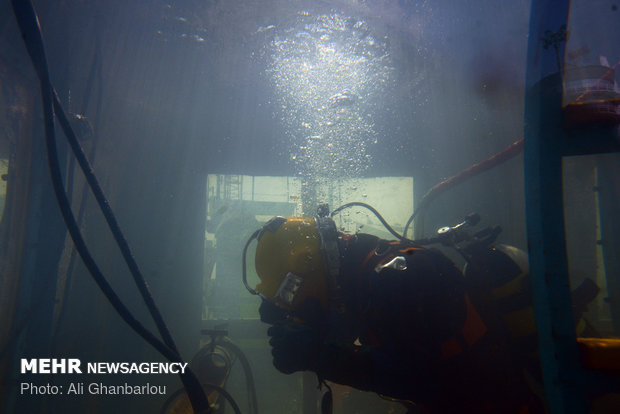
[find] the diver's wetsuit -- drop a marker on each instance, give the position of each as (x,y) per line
(421,338)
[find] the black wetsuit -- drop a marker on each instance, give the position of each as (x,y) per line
(421,338)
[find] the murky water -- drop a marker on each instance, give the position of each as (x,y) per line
(205,119)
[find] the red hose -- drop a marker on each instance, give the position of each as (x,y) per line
(509,152)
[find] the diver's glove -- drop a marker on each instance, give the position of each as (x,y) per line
(295,346)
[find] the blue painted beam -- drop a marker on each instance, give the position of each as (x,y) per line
(544,140)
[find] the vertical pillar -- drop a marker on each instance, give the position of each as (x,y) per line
(544,141)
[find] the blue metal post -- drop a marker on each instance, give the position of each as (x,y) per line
(544,140)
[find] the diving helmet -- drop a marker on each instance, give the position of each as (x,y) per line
(296,258)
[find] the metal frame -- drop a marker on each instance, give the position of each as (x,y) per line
(546,143)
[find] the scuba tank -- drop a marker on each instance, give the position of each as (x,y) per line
(212,364)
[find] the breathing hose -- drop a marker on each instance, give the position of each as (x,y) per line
(28,23)
(376,213)
(507,153)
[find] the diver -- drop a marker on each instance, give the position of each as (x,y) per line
(398,318)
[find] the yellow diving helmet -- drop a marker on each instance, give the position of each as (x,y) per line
(296,258)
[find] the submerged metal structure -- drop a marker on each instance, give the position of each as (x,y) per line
(202,120)
(552,133)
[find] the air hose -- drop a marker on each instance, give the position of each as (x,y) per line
(28,23)
(507,153)
(376,213)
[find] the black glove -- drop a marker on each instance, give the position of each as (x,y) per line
(295,346)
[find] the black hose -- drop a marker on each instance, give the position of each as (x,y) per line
(29,27)
(113,224)
(249,377)
(104,204)
(94,72)
(108,214)
(376,213)
(95,68)
(244,272)
(415,213)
